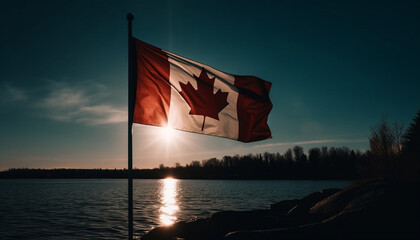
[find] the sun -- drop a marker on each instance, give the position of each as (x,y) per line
(167,133)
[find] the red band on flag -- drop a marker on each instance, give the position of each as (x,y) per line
(253,107)
(153,93)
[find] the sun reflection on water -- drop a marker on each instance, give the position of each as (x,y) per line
(169,208)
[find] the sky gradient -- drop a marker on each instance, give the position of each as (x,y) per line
(337,69)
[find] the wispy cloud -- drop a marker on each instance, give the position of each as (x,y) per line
(85,104)
(65,98)
(103,114)
(310,142)
(11,94)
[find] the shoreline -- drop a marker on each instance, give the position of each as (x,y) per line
(365,209)
(214,174)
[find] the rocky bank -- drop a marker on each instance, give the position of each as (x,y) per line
(364,210)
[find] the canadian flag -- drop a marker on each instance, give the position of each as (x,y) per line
(187,95)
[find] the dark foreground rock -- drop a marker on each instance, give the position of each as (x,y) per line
(368,210)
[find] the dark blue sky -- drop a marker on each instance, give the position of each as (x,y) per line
(337,68)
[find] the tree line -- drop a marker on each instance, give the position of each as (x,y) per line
(318,163)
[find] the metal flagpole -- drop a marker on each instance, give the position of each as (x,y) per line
(131,75)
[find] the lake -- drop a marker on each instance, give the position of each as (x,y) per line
(97,209)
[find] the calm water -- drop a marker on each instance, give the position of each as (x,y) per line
(97,209)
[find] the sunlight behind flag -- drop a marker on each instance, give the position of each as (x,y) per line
(167,133)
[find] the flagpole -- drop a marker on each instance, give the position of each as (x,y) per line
(131,75)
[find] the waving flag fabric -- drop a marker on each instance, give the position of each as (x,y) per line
(187,95)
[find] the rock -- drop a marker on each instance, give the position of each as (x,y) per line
(370,210)
(284,206)
(375,209)
(353,197)
(298,215)
(195,229)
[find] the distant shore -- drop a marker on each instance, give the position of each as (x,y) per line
(160,173)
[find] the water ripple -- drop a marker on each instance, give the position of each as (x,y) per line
(97,209)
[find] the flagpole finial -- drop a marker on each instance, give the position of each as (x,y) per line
(130,16)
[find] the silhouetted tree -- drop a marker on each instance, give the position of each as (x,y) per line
(212,162)
(195,164)
(411,150)
(299,155)
(411,139)
(385,144)
(385,140)
(324,155)
(314,156)
(288,157)
(398,130)
(227,161)
(268,158)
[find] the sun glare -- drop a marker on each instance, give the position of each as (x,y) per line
(167,133)
(169,203)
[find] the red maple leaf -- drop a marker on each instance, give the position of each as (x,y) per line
(203,101)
